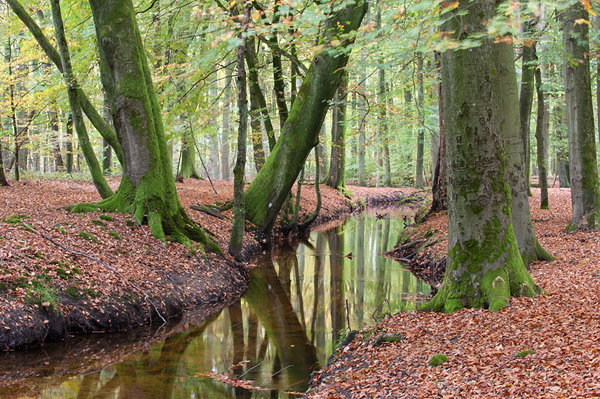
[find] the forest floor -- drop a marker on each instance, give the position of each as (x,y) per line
(541,347)
(62,272)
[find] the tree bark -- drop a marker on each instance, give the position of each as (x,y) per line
(266,194)
(147,188)
(585,194)
(225,133)
(484,264)
(69,134)
(187,168)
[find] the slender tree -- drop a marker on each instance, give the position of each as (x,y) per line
(585,194)
(484,265)
(337,164)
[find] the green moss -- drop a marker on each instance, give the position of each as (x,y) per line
(130,223)
(114,235)
(525,353)
(88,236)
(437,360)
(14,219)
(108,218)
(62,230)
(98,222)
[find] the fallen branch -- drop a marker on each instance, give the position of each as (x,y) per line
(112,269)
(212,211)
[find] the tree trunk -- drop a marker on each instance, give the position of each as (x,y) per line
(266,194)
(529,247)
(540,135)
(484,264)
(337,162)
(585,194)
(88,151)
(187,168)
(3,181)
(525,103)
(59,164)
(225,133)
(239,219)
(421,122)
(439,192)
(69,134)
(147,188)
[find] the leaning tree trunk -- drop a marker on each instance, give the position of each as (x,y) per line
(484,264)
(585,195)
(529,247)
(266,194)
(147,188)
(84,141)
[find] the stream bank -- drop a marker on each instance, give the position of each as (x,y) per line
(49,294)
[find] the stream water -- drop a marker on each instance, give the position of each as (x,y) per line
(300,300)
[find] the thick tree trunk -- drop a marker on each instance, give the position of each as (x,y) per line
(585,194)
(337,164)
(541,129)
(529,247)
(484,264)
(266,194)
(147,188)
(88,151)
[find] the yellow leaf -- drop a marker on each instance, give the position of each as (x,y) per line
(582,21)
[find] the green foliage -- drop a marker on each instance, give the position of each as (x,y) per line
(107,218)
(114,235)
(14,219)
(525,353)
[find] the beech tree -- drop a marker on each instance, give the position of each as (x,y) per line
(147,187)
(268,191)
(585,194)
(484,265)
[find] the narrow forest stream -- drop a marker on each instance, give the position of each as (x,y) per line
(300,299)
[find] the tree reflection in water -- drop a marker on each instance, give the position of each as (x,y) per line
(286,326)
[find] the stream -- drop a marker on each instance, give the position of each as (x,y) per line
(299,303)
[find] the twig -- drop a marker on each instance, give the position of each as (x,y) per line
(250,369)
(112,269)
(288,366)
(348,315)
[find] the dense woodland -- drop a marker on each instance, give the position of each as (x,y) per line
(474,98)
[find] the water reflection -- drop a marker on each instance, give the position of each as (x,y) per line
(301,298)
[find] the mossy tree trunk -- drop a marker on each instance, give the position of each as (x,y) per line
(529,247)
(147,188)
(69,134)
(337,164)
(266,194)
(585,194)
(484,264)
(3,181)
(84,141)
